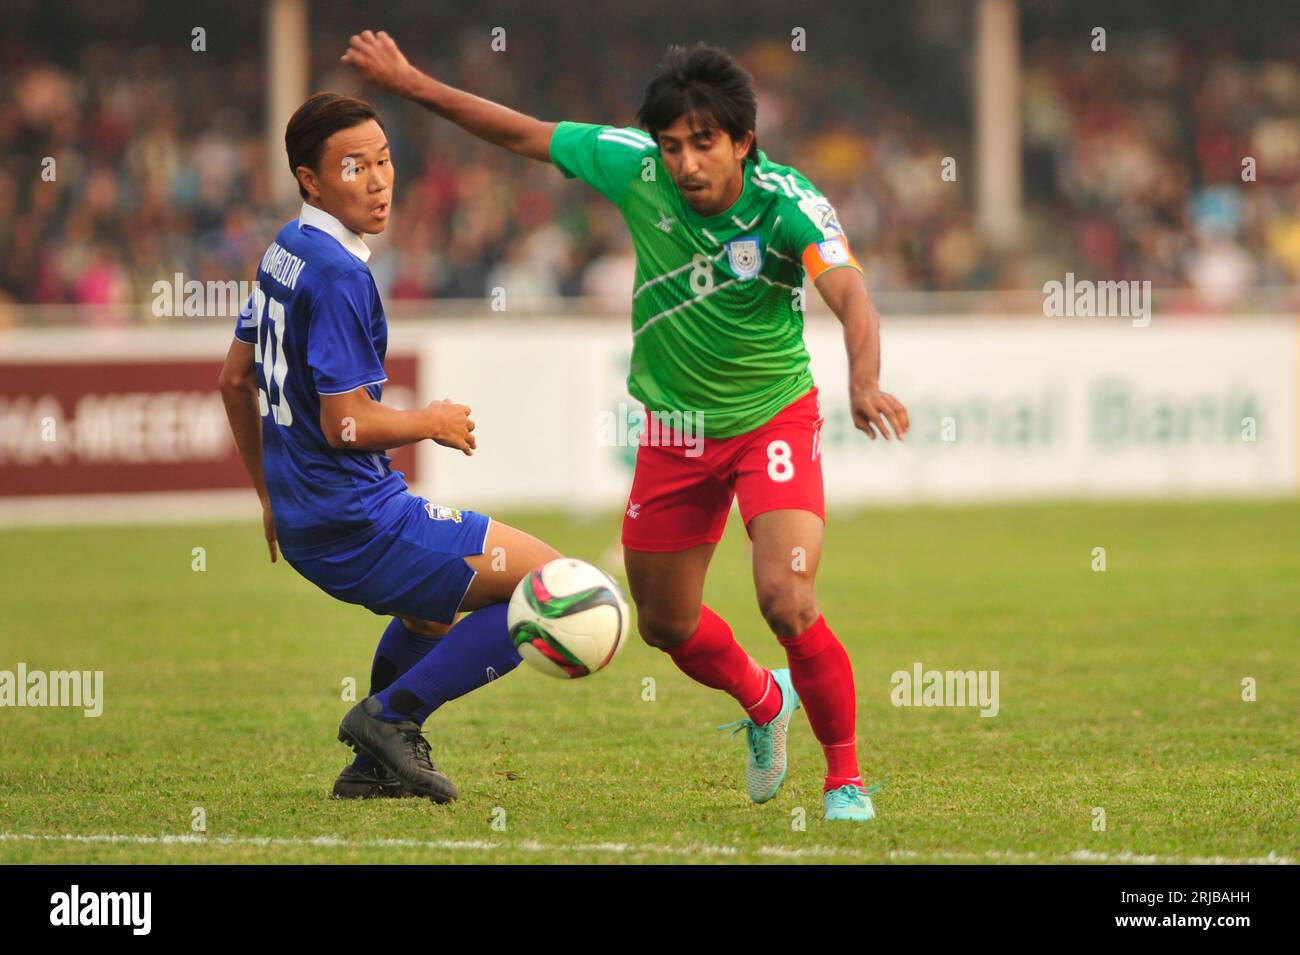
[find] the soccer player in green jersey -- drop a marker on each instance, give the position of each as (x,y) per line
(724,240)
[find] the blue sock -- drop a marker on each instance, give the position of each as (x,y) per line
(475,651)
(399,649)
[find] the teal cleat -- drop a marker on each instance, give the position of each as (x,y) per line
(765,765)
(849,803)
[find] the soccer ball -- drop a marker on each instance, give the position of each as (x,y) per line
(568,618)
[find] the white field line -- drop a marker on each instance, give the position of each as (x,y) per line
(633,849)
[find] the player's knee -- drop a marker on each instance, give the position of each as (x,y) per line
(789,611)
(666,630)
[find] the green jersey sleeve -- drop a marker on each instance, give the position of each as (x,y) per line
(812,232)
(605,157)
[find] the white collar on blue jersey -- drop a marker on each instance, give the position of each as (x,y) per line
(320,219)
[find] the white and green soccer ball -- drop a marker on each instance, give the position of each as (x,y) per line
(568,618)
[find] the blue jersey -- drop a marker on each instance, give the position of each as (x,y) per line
(318,328)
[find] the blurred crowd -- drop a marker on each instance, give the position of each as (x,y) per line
(1134,169)
(1174,163)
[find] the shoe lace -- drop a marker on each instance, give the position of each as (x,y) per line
(759,739)
(850,795)
(419,747)
(843,796)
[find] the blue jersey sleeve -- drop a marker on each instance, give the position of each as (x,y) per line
(340,345)
(246,323)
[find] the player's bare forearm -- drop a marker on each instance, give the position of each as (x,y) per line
(845,292)
(376,57)
(373,427)
(356,422)
(238,384)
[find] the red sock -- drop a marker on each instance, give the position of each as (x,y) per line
(821,672)
(712,656)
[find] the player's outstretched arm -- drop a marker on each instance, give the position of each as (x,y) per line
(845,291)
(377,57)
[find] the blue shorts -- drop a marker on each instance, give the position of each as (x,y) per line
(412,566)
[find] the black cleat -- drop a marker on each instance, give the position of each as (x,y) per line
(399,748)
(375,784)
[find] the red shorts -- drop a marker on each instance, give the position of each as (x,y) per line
(682,489)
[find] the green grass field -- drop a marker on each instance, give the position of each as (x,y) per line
(1120,690)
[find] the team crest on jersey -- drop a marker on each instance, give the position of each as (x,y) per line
(437,512)
(745,256)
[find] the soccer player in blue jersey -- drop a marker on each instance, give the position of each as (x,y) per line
(302,385)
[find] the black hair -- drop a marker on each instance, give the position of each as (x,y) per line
(315,121)
(705,83)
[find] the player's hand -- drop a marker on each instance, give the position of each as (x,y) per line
(376,57)
(268,527)
(873,407)
(451,426)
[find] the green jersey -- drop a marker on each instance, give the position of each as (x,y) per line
(717,306)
